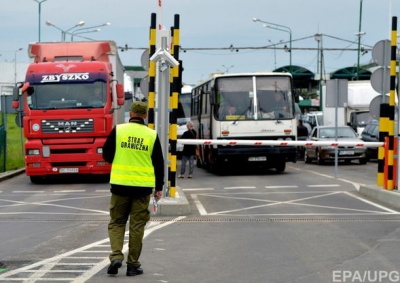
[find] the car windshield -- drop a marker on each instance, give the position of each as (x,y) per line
(328,133)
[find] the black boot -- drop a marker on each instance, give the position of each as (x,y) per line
(113,268)
(132,271)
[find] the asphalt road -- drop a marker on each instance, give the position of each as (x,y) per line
(308,224)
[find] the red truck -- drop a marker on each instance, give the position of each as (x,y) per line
(72,97)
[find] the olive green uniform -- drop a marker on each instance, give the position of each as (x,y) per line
(137,167)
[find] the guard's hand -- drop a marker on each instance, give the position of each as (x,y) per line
(157,195)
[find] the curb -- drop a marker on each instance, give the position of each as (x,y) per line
(9,174)
(390,198)
(177,206)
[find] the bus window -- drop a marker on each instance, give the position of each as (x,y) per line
(234,93)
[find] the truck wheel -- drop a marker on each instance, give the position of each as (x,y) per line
(37,179)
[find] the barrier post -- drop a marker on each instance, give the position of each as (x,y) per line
(173,105)
(392,103)
(152,72)
(386,163)
(395,163)
(382,152)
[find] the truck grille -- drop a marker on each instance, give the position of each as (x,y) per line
(67,126)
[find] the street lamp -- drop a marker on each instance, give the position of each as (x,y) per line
(290,42)
(281,28)
(359,34)
(274,44)
(318,38)
(40,11)
(15,64)
(84,30)
(64,32)
(89,31)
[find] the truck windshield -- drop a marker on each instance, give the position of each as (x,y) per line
(67,96)
(253,98)
(363,118)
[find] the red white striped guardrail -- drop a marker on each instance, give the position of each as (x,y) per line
(281,143)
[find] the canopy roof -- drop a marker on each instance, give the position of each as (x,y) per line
(296,71)
(350,73)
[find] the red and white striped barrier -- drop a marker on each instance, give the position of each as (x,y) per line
(281,143)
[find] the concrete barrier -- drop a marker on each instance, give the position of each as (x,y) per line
(387,197)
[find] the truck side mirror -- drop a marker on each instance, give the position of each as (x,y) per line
(120,94)
(15,102)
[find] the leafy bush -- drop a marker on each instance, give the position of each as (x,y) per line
(14,144)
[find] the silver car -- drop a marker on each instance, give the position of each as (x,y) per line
(327,153)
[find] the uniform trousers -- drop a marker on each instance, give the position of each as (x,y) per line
(122,208)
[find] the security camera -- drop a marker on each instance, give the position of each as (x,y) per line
(164,55)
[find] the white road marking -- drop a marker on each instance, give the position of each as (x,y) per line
(372,203)
(293,202)
(280,187)
(28,192)
(198,189)
(356,185)
(199,205)
(70,191)
(49,203)
(39,270)
(323,186)
(238,188)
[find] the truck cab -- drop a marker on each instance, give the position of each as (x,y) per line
(72,97)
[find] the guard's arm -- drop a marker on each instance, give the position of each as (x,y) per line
(158,164)
(109,146)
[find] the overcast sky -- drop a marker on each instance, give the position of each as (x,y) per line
(211,23)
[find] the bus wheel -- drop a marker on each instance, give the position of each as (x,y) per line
(280,167)
(198,162)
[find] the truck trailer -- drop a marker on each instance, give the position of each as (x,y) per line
(356,113)
(72,97)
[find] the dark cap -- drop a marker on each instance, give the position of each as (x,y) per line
(139,107)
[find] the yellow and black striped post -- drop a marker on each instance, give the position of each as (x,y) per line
(386,166)
(174,95)
(152,71)
(391,184)
(384,126)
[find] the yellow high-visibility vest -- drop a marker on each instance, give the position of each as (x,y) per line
(132,164)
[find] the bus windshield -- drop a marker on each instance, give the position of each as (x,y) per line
(253,98)
(183,113)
